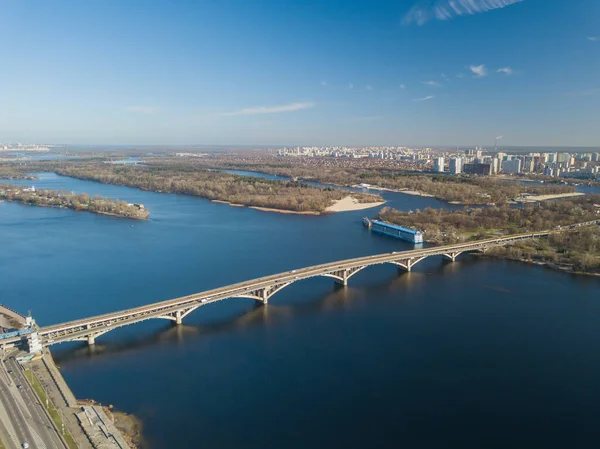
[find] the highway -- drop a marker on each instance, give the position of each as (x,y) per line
(22,418)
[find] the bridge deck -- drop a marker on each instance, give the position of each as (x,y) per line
(97,325)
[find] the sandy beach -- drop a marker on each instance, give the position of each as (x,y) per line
(348,203)
(530,199)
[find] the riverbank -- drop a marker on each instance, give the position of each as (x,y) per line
(349,203)
(577,247)
(535,198)
(65,200)
(218,186)
(567,268)
(86,423)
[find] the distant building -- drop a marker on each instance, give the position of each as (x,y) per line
(438,164)
(495,165)
(512,167)
(529,165)
(456,165)
(477,169)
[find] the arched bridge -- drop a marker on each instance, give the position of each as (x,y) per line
(261,289)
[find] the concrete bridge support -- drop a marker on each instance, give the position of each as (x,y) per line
(407,264)
(91,340)
(178,318)
(451,256)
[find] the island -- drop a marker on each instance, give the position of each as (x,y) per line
(219,186)
(577,252)
(14,172)
(66,200)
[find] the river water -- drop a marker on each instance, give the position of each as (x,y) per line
(479,353)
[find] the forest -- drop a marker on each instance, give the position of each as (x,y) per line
(11,171)
(578,250)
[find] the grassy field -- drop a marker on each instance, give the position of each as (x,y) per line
(52,411)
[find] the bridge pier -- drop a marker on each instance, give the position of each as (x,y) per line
(178,318)
(407,264)
(91,340)
(451,256)
(343,282)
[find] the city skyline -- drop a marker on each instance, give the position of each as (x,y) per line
(342,73)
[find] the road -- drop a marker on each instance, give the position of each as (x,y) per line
(22,417)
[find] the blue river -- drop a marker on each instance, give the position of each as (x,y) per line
(476,354)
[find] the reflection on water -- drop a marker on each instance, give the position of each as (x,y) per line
(259,315)
(451,354)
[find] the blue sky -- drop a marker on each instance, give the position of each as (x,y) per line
(276,72)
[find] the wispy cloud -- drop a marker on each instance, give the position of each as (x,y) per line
(270,109)
(478,70)
(426,10)
(369,87)
(432,83)
(593,38)
(506,70)
(323,83)
(142,109)
(428,97)
(402,86)
(350,86)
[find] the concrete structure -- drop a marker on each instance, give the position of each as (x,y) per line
(438,164)
(478,169)
(512,166)
(260,290)
(456,165)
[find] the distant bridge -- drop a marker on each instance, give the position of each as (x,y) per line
(261,289)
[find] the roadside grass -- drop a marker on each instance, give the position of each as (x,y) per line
(52,411)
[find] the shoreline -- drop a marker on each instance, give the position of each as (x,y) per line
(78,210)
(388,189)
(268,209)
(345,204)
(535,198)
(87,423)
(548,265)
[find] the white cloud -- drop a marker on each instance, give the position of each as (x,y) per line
(426,10)
(369,87)
(402,86)
(593,38)
(428,97)
(270,109)
(323,83)
(505,70)
(460,75)
(142,109)
(478,70)
(432,83)
(350,86)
